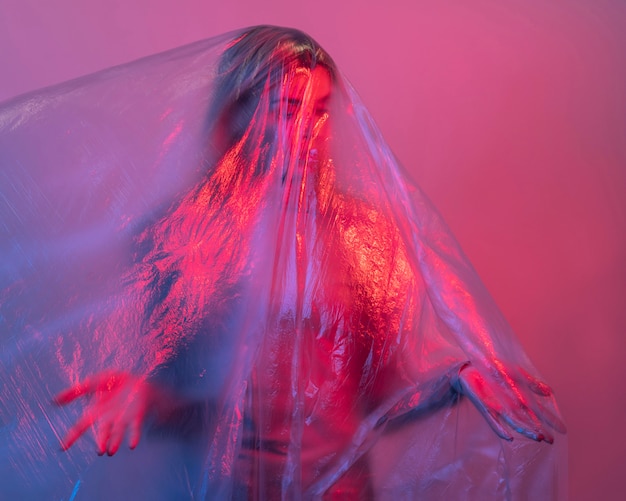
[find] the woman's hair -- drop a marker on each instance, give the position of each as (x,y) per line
(196,253)
(255,61)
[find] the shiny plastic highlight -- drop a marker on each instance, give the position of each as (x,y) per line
(212,256)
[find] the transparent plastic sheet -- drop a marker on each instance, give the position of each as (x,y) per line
(224,224)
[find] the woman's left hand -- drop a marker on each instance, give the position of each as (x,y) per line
(512,400)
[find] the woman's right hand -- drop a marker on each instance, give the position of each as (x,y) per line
(119,404)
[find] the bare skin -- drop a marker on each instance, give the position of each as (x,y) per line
(119,404)
(519,403)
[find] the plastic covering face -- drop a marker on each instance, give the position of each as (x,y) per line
(211,254)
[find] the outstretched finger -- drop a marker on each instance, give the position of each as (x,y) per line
(493,420)
(535,433)
(71,394)
(536,385)
(116,438)
(134,432)
(103,436)
(86,387)
(76,431)
(474,387)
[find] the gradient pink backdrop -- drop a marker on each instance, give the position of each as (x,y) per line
(510,114)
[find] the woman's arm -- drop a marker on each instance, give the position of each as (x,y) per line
(498,377)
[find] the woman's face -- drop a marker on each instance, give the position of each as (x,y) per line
(303,108)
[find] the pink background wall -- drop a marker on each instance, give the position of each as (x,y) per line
(512,117)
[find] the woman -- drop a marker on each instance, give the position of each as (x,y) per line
(299,302)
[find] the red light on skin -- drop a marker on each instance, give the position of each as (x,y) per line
(119,405)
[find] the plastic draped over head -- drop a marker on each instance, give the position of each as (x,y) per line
(226,219)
